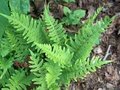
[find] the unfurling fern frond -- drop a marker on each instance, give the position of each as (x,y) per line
(18,81)
(32,30)
(56,53)
(56,31)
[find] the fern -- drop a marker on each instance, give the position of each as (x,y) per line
(56,72)
(4,66)
(18,81)
(87,37)
(19,45)
(32,29)
(57,54)
(60,58)
(55,29)
(38,69)
(5,47)
(6,76)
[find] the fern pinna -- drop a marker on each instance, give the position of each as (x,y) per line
(55,57)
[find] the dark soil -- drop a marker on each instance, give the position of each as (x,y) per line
(107,78)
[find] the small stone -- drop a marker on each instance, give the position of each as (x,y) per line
(101,89)
(119,72)
(110,86)
(98,50)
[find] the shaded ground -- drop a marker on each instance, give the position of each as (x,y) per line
(107,78)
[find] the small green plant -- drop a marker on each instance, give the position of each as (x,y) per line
(72,17)
(54,57)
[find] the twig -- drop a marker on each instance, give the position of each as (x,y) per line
(107,53)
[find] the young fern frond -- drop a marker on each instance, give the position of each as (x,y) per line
(56,31)
(32,29)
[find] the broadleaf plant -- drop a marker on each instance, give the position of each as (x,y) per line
(42,54)
(3,9)
(72,17)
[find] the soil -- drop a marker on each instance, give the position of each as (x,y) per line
(108,77)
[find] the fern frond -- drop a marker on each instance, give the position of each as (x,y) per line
(38,69)
(82,68)
(45,75)
(87,37)
(18,81)
(5,64)
(5,47)
(56,53)
(32,30)
(53,74)
(19,45)
(5,78)
(55,29)
(35,64)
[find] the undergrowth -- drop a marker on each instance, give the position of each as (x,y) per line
(41,55)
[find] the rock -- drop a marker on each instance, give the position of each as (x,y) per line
(110,86)
(101,89)
(98,50)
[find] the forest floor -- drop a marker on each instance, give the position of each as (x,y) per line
(107,78)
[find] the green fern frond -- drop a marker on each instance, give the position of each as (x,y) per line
(5,78)
(32,29)
(82,68)
(56,53)
(19,45)
(18,81)
(55,29)
(5,47)
(87,37)
(35,64)
(53,74)
(38,69)
(5,64)
(45,75)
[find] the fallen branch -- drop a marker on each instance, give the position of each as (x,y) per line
(107,53)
